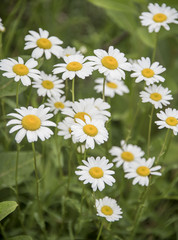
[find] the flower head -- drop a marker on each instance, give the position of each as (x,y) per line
(32,122)
(43,44)
(68,51)
(65,128)
(97,172)
(57,103)
(108,208)
(158,16)
(20,70)
(140,171)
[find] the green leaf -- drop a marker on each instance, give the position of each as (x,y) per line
(21,237)
(6,208)
(146,37)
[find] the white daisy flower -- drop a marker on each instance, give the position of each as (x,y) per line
(49,85)
(168,119)
(2,28)
(83,49)
(19,70)
(43,44)
(108,208)
(68,51)
(141,170)
(158,16)
(144,70)
(90,131)
(32,122)
(126,154)
(111,63)
(74,65)
(57,103)
(156,95)
(65,128)
(97,172)
(112,87)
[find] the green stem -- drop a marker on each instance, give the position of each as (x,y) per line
(154,49)
(17,94)
(73,89)
(100,230)
(66,87)
(1,54)
(104,83)
(16,172)
(58,147)
(149,131)
(3,232)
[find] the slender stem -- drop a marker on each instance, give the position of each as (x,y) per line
(66,87)
(73,90)
(17,94)
(16,172)
(1,55)
(58,147)
(104,83)
(100,230)
(154,49)
(149,131)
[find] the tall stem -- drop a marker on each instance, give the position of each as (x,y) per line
(154,49)
(58,147)
(16,172)
(104,83)
(100,230)
(17,94)
(149,131)
(73,89)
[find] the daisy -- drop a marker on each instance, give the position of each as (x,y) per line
(57,103)
(111,63)
(32,122)
(20,70)
(156,95)
(2,28)
(74,65)
(126,154)
(144,70)
(48,85)
(112,87)
(90,131)
(168,119)
(65,128)
(97,172)
(108,208)
(158,16)
(141,170)
(43,44)
(68,51)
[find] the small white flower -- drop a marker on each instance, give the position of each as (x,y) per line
(108,208)
(126,154)
(19,70)
(97,172)
(81,149)
(112,87)
(32,122)
(141,170)
(43,44)
(68,51)
(57,103)
(158,16)
(169,119)
(74,65)
(49,85)
(90,131)
(144,70)
(2,28)
(83,49)
(156,95)
(111,63)
(65,128)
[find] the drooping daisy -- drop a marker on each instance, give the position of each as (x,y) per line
(140,171)
(126,154)
(112,87)
(49,85)
(43,44)
(90,131)
(144,70)
(156,95)
(158,16)
(108,208)
(2,28)
(97,172)
(57,103)
(168,119)
(32,122)
(65,128)
(74,65)
(68,51)
(20,70)
(112,63)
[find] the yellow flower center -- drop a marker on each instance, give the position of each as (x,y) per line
(47,84)
(111,85)
(109,62)
(172,121)
(90,130)
(31,122)
(44,43)
(107,210)
(159,17)
(127,156)
(81,115)
(74,66)
(59,105)
(156,96)
(20,69)
(143,171)
(67,55)
(70,130)
(148,73)
(96,172)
